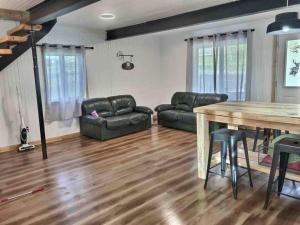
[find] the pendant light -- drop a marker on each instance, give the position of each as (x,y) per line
(285,23)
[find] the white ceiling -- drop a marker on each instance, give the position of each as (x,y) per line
(130,12)
(18,4)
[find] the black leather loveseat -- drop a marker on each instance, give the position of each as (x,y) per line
(179,114)
(118,115)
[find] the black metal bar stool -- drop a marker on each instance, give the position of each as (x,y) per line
(267,136)
(229,140)
(282,150)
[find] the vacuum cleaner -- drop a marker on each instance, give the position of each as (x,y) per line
(23,138)
(24,130)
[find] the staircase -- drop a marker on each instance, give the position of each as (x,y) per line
(17,41)
(16,36)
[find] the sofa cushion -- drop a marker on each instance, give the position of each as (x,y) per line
(207,99)
(136,118)
(124,111)
(122,104)
(116,122)
(183,100)
(100,105)
(105,114)
(169,115)
(184,107)
(187,117)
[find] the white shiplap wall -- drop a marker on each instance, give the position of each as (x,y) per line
(18,4)
(20,73)
(105,78)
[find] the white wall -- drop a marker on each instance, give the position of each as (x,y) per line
(20,73)
(143,82)
(173,53)
(160,69)
(105,78)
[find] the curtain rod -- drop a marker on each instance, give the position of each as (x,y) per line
(64,46)
(244,31)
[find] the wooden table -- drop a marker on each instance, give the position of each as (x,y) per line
(255,114)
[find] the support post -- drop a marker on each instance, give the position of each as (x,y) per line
(38,95)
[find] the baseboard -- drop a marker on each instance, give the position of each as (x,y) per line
(38,142)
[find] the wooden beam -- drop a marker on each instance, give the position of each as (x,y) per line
(5,51)
(21,48)
(7,41)
(274,68)
(215,13)
(15,39)
(51,9)
(7,14)
(23,29)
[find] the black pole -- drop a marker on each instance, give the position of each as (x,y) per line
(38,95)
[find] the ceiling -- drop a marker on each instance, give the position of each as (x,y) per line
(18,4)
(130,12)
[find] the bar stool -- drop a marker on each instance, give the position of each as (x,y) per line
(229,139)
(267,136)
(282,150)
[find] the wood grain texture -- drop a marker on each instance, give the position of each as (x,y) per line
(141,179)
(23,27)
(8,14)
(275,112)
(5,51)
(279,116)
(14,39)
(284,116)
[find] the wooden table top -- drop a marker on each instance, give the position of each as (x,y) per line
(273,112)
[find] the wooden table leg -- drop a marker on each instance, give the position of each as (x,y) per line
(202,144)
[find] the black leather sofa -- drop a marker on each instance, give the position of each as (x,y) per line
(179,114)
(118,115)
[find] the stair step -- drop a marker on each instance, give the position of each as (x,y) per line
(5,51)
(6,41)
(22,29)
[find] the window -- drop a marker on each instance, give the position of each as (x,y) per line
(65,81)
(220,65)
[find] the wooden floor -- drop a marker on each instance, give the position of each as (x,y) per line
(145,178)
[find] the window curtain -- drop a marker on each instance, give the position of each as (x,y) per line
(218,64)
(65,81)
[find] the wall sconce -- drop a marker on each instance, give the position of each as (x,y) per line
(126,65)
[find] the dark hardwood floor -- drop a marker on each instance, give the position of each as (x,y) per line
(144,178)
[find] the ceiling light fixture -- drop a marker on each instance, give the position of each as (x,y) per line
(285,23)
(107,16)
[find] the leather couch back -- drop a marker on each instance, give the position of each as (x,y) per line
(101,105)
(207,99)
(122,104)
(183,100)
(115,105)
(188,100)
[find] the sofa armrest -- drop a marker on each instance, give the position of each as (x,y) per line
(93,120)
(143,109)
(164,107)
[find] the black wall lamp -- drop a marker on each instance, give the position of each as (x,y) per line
(285,23)
(126,65)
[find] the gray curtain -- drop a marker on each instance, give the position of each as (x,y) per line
(65,82)
(219,65)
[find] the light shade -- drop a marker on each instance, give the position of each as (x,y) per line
(127,66)
(107,16)
(285,23)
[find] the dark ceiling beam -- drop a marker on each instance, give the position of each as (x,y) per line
(215,13)
(51,9)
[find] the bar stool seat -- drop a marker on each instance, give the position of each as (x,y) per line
(229,141)
(282,151)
